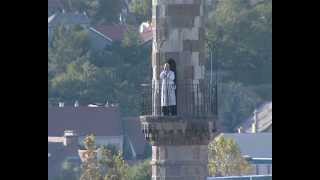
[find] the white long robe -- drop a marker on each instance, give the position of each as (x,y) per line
(168,97)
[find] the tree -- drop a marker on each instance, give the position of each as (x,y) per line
(142,9)
(108,166)
(131,38)
(70,171)
(236,103)
(78,82)
(117,169)
(90,168)
(141,171)
(225,158)
(100,11)
(242,35)
(69,44)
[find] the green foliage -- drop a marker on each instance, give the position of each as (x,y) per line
(90,166)
(70,171)
(141,171)
(242,38)
(236,103)
(241,35)
(142,9)
(225,158)
(117,169)
(108,166)
(100,11)
(131,37)
(113,75)
(69,43)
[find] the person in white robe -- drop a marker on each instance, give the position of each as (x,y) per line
(168,97)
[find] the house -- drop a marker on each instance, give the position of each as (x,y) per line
(113,31)
(260,121)
(98,40)
(100,37)
(104,122)
(256,148)
(68,126)
(68,18)
(60,150)
(146,33)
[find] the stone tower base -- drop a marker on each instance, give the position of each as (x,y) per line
(179,162)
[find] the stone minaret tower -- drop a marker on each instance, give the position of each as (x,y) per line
(180,143)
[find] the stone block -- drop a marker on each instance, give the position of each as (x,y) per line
(174,55)
(173,43)
(181,22)
(195,58)
(180,1)
(198,22)
(188,72)
(192,45)
(186,10)
(190,34)
(185,59)
(173,171)
(201,34)
(202,59)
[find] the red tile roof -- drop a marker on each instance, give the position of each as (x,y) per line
(146,35)
(115,32)
(101,121)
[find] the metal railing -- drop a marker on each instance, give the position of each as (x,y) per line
(192,99)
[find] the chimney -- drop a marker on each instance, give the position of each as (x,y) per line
(70,138)
(255,122)
(107,104)
(61,104)
(240,130)
(76,104)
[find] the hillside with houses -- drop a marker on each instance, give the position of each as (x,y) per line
(99,56)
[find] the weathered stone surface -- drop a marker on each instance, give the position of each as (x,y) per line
(195,58)
(174,55)
(179,1)
(185,10)
(192,45)
(181,164)
(198,72)
(176,132)
(198,22)
(201,35)
(162,29)
(181,22)
(190,34)
(180,142)
(188,72)
(185,58)
(202,58)
(173,43)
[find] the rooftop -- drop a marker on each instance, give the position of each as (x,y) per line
(102,121)
(255,145)
(114,32)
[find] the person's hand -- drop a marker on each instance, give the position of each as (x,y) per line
(166,68)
